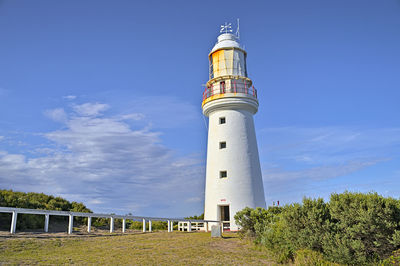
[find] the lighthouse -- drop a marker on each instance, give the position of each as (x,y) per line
(233,173)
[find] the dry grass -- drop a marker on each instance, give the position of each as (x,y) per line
(134,248)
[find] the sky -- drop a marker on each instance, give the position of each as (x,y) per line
(100,100)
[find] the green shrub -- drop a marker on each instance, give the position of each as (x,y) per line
(275,236)
(102,223)
(252,221)
(9,198)
(306,224)
(365,227)
(195,217)
(155,225)
(394,259)
(353,228)
(306,257)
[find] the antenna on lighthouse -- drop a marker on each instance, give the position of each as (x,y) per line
(237,30)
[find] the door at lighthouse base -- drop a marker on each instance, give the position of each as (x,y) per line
(224,216)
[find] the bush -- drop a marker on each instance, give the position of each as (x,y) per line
(155,225)
(252,221)
(9,198)
(195,217)
(306,257)
(353,228)
(365,227)
(394,259)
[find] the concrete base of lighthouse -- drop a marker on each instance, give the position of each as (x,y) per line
(233,175)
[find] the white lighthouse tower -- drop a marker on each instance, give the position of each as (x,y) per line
(233,175)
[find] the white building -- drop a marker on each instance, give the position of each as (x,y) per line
(233,176)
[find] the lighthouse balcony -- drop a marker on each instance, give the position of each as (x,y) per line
(228,90)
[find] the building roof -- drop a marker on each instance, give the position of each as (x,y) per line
(226,40)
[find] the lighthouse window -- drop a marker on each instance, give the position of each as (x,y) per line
(223,174)
(222,87)
(222,145)
(222,120)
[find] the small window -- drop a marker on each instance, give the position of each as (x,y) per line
(222,87)
(223,174)
(222,120)
(222,145)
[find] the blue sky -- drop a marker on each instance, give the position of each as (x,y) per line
(100,101)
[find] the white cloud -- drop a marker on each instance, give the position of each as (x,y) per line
(195,199)
(45,151)
(70,97)
(96,201)
(106,164)
(318,173)
(300,161)
(90,109)
(57,114)
(166,112)
(133,116)
(117,163)
(327,145)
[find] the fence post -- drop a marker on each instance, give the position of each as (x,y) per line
(89,224)
(46,222)
(144,225)
(70,224)
(112,225)
(13,222)
(123,225)
(190,227)
(206,226)
(169,226)
(172,226)
(150,230)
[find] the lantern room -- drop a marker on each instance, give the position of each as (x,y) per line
(228,72)
(227,58)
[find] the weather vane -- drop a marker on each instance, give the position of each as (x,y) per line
(226,28)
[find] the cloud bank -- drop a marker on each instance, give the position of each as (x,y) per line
(317,161)
(119,163)
(100,160)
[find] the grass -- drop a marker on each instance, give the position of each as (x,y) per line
(133,248)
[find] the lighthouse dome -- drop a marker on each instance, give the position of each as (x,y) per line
(226,40)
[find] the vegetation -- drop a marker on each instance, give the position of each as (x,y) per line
(31,200)
(158,225)
(195,217)
(9,198)
(159,248)
(155,225)
(352,228)
(394,259)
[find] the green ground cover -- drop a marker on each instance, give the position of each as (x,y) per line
(133,248)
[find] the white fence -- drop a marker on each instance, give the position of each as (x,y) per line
(112,217)
(192,226)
